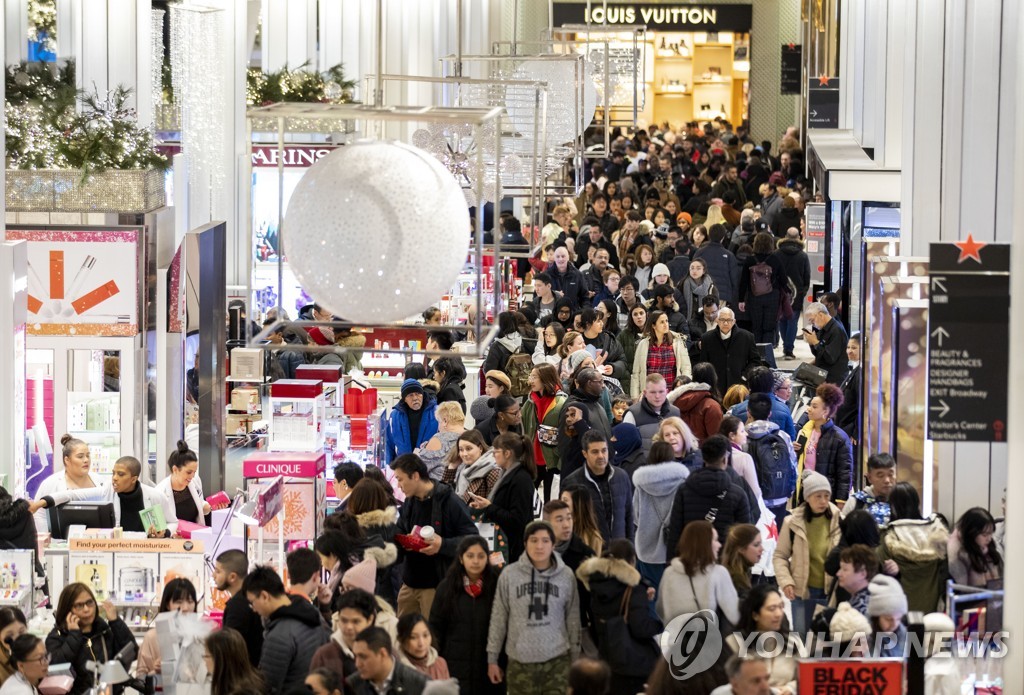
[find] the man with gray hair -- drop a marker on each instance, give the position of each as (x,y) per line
(828,340)
(747,675)
(729,349)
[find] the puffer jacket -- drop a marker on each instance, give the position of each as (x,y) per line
(707,490)
(919,547)
(723,269)
(654,489)
(380,527)
(834,459)
(291,637)
(628,340)
(648,420)
(608,579)
(399,440)
(72,647)
(698,408)
(798,268)
(638,380)
(791,560)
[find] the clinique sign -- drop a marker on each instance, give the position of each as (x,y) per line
(673,17)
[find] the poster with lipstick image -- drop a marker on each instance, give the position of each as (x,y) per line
(82,280)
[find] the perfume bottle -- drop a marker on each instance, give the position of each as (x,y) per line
(97,583)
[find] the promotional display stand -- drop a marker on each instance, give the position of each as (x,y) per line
(297,412)
(17,583)
(302,498)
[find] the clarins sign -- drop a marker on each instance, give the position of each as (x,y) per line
(666,17)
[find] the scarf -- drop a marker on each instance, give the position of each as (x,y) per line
(474,589)
(478,470)
(543,405)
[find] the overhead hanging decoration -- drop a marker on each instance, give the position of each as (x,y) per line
(365,254)
(298,85)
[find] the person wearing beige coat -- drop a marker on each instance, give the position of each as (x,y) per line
(639,378)
(793,554)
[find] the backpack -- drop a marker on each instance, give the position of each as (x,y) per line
(518,368)
(775,464)
(760,279)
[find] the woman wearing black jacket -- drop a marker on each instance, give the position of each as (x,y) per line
(81,635)
(461,616)
(510,504)
(449,372)
(608,578)
(762,309)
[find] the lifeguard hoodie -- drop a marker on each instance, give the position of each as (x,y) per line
(536,615)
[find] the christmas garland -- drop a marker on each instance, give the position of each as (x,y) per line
(42,23)
(301,85)
(44,131)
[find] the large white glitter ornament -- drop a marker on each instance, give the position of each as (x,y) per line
(377,231)
(560,75)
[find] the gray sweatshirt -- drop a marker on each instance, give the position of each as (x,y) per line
(536,614)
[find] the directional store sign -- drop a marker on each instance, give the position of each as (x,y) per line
(823,102)
(969,341)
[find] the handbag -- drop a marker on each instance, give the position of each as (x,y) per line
(725,626)
(547,435)
(624,653)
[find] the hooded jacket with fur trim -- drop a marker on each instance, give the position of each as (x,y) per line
(608,579)
(919,547)
(698,408)
(654,489)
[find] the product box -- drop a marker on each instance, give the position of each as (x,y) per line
(245,399)
(93,570)
(136,576)
(237,424)
(247,363)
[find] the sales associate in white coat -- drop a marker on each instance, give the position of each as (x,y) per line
(77,475)
(183,487)
(128,494)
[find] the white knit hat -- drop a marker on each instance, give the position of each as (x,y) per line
(362,575)
(660,269)
(812,482)
(847,623)
(886,597)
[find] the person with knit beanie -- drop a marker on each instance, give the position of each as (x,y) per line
(851,630)
(362,575)
(887,604)
(412,422)
(807,537)
(941,672)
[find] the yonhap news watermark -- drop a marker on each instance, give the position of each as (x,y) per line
(693,643)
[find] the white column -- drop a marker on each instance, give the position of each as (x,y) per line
(16,31)
(330,24)
(110,43)
(13,314)
(289,34)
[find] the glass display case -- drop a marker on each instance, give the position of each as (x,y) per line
(297,412)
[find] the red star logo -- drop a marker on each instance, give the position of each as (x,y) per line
(823,81)
(969,249)
(792,46)
(773,531)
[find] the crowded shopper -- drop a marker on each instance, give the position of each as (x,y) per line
(694,580)
(699,402)
(451,424)
(378,669)
(973,557)
(179,596)
(13,625)
(540,414)
(743,549)
(609,488)
(729,349)
(416,647)
(823,447)
(661,352)
(805,540)
(30,662)
(471,469)
(762,620)
(650,409)
(510,503)
(412,423)
(827,339)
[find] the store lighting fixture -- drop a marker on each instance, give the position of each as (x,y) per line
(197,53)
(156,61)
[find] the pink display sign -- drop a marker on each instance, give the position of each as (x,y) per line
(270,501)
(288,464)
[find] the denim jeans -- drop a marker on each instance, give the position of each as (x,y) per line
(788,329)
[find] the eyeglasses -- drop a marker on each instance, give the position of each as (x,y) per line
(512,413)
(82,605)
(726,320)
(44,659)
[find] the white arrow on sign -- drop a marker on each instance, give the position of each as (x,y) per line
(937,284)
(940,333)
(814,113)
(943,407)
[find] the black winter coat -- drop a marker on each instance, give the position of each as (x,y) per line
(596,415)
(512,508)
(608,579)
(70,647)
(616,522)
(291,637)
(798,268)
(460,626)
(705,490)
(615,355)
(452,391)
(849,412)
(238,615)
(17,527)
(731,361)
(835,459)
(778,275)
(830,352)
(405,680)
(784,219)
(571,284)
(450,518)
(723,269)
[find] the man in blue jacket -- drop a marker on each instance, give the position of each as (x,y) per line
(609,488)
(413,421)
(764,380)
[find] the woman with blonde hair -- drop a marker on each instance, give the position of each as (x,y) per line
(715,216)
(737,393)
(571,342)
(451,423)
(684,445)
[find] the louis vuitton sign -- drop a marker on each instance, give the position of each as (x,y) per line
(663,17)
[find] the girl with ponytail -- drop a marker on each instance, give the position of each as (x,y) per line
(511,503)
